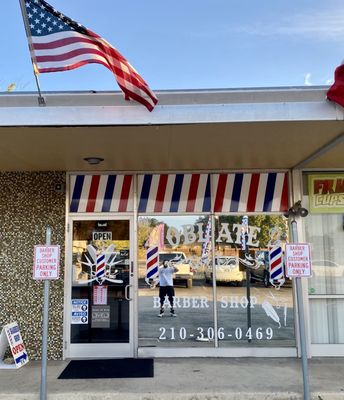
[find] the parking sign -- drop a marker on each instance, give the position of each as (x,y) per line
(298,260)
(46,262)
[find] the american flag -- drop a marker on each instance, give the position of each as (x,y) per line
(59,43)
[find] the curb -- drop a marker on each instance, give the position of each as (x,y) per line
(174,396)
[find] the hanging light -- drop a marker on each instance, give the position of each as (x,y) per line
(93,160)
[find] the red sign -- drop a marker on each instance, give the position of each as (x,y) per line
(100,294)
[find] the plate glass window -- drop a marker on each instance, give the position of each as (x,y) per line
(181,315)
(254,302)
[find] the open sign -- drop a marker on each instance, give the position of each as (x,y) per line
(101,235)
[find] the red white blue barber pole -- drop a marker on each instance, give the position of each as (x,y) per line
(100,267)
(152,266)
(276,269)
(206,244)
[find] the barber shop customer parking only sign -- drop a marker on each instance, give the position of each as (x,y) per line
(298,260)
(46,262)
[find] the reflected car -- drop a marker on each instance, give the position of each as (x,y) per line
(185,271)
(227,270)
(261,272)
(327,268)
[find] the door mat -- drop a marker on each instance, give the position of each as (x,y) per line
(109,368)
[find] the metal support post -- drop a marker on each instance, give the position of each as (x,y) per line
(245,249)
(248,295)
(213,258)
(43,391)
(301,320)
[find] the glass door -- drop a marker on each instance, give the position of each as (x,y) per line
(99,316)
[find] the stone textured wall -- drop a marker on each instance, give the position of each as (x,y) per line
(28,202)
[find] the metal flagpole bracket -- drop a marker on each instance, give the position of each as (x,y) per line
(41,101)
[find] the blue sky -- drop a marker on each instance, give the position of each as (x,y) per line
(192,44)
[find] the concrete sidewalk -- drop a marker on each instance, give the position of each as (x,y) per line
(187,379)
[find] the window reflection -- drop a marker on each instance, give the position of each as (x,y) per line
(183,243)
(254,307)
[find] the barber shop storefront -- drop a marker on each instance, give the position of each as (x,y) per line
(116,240)
(203,186)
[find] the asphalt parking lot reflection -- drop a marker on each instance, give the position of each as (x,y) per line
(272,316)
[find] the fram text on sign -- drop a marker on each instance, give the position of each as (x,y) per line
(326,193)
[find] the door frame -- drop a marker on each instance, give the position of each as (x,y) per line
(98,350)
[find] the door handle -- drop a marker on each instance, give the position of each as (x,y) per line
(126,289)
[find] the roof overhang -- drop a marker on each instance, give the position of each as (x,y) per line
(188,130)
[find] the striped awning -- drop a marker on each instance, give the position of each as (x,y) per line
(181,193)
(174,193)
(246,192)
(101,193)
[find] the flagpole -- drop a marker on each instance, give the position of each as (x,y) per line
(41,100)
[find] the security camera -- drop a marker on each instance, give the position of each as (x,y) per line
(303,212)
(297,210)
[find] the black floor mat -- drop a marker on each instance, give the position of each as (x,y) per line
(109,368)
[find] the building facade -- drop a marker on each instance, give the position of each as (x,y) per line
(204,182)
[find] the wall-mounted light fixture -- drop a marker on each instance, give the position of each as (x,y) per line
(93,160)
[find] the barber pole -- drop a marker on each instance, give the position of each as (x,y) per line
(152,266)
(277,277)
(100,268)
(206,244)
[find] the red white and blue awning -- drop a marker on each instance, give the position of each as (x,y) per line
(250,192)
(181,193)
(173,193)
(101,193)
